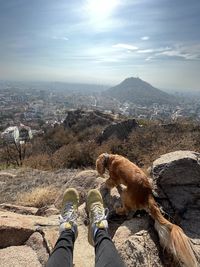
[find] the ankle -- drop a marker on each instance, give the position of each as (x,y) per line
(96,229)
(69,226)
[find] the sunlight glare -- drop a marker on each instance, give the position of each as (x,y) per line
(101,9)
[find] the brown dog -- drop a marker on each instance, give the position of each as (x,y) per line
(138,195)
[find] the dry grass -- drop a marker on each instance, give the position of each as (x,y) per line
(38,197)
(41,161)
(66,148)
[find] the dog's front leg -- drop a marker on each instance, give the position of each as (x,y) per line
(109,183)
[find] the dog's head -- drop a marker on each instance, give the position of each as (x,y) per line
(102,163)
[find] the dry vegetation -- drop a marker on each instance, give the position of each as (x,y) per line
(60,148)
(38,197)
(27,186)
(69,148)
(143,145)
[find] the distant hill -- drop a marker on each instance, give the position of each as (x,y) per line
(138,91)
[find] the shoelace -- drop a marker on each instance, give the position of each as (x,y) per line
(99,213)
(68,213)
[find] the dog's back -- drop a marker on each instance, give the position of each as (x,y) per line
(127,172)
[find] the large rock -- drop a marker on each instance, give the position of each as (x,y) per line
(15,229)
(26,240)
(37,243)
(18,256)
(138,244)
(121,130)
(177,168)
(177,178)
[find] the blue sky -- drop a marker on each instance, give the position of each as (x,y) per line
(101,41)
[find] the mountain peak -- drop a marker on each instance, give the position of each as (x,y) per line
(138,91)
(134,82)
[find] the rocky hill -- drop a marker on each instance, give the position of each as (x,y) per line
(28,234)
(80,119)
(140,92)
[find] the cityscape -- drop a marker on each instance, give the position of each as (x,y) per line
(38,108)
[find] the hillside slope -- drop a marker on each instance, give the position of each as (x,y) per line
(138,91)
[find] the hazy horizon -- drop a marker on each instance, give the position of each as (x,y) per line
(101,42)
(103,85)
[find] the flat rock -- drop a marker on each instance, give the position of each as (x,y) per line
(18,256)
(15,229)
(18,209)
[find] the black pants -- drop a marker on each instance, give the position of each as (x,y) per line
(106,254)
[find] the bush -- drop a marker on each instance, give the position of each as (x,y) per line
(65,149)
(38,197)
(41,161)
(74,155)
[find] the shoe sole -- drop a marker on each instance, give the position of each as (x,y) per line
(70,195)
(96,197)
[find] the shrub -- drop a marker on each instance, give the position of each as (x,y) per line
(74,155)
(38,197)
(66,149)
(41,161)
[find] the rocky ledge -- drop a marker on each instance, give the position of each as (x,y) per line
(27,234)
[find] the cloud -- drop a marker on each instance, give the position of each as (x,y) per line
(125,46)
(145,38)
(60,38)
(144,51)
(176,51)
(153,50)
(148,58)
(187,52)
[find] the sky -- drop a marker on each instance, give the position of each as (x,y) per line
(101,41)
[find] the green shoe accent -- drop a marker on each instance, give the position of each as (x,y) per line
(69,211)
(97,214)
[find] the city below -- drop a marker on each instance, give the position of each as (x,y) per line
(45,105)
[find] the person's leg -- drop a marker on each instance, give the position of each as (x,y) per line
(105,251)
(106,254)
(62,254)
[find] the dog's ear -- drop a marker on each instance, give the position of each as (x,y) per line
(100,164)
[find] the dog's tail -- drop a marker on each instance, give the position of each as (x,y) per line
(172,237)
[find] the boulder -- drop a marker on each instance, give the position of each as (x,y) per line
(176,179)
(19,256)
(15,229)
(137,244)
(37,243)
(176,176)
(177,168)
(121,130)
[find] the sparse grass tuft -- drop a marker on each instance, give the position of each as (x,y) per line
(38,197)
